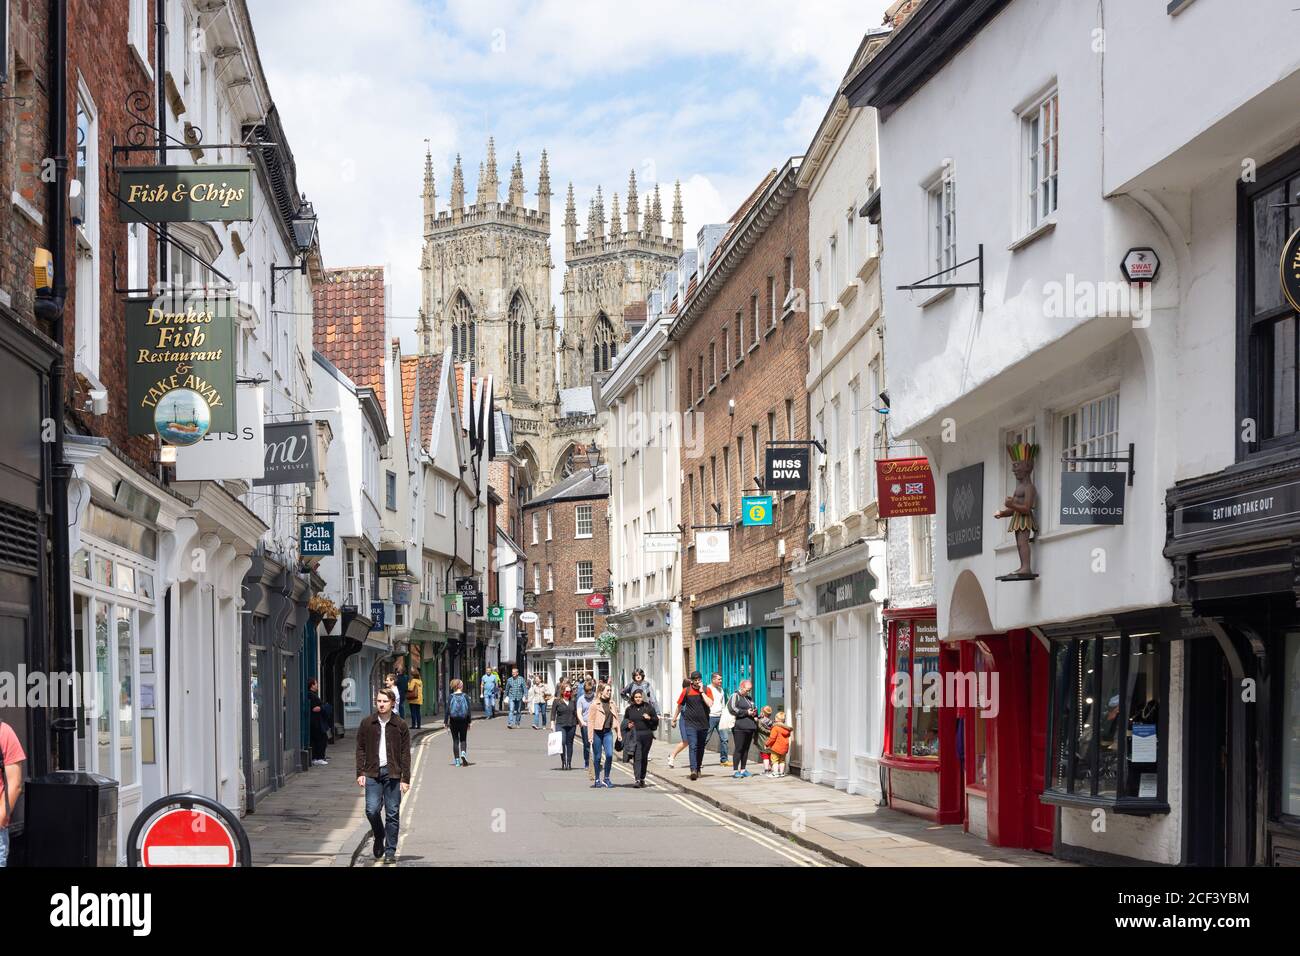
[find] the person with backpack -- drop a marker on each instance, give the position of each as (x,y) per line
(11,781)
(459,714)
(741,708)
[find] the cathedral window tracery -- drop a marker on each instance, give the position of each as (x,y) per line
(517,340)
(603,345)
(463,332)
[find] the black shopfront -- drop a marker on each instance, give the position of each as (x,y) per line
(1234,540)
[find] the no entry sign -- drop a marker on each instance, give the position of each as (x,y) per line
(191,837)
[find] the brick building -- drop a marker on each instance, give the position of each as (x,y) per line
(741,339)
(566,546)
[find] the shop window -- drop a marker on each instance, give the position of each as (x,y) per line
(979,760)
(913,722)
(1290,769)
(1108,729)
(1267,324)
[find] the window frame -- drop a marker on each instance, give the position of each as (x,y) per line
(941,220)
(578,521)
(590,567)
(581,617)
(1031,151)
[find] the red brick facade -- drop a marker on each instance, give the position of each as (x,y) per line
(766,380)
(560,556)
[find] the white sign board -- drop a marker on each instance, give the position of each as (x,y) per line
(528,617)
(713,547)
(661,543)
(548,635)
(223,455)
(1140,265)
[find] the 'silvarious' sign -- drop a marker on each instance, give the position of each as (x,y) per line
(713,547)
(290,454)
(756,510)
(905,487)
(1092,497)
(1289,264)
(965,525)
(316,537)
(392,564)
(221,455)
(180,366)
(787,468)
(1269,504)
(185,193)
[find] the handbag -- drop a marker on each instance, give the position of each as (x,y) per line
(728,720)
(554,743)
(618,745)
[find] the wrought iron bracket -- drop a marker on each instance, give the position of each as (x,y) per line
(1112,459)
(922,283)
(798,441)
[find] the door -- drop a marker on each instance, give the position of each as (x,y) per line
(1042,816)
(1206,754)
(796,705)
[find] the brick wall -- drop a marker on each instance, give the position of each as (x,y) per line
(99,55)
(563,552)
(771,373)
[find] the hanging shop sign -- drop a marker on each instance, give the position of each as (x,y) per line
(289,456)
(528,617)
(452,603)
(392,564)
(316,538)
(1270,504)
(530,599)
(906,487)
(474,606)
(1092,497)
(965,525)
(376,615)
(496,613)
(185,193)
(788,468)
(713,547)
(180,366)
(851,590)
(1140,264)
(756,510)
(659,542)
(595,601)
(402,592)
(467,587)
(222,455)
(1289,265)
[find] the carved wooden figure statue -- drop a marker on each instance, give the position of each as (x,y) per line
(1019,507)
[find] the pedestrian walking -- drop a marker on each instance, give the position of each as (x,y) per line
(640,683)
(643,719)
(741,707)
(718,722)
(415,697)
(564,718)
(459,714)
(316,724)
(384,770)
(489,685)
(585,700)
(11,782)
(778,742)
(603,726)
(401,681)
(516,692)
(693,707)
(765,722)
(539,694)
(681,731)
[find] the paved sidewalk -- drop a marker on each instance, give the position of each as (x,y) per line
(848,828)
(318,818)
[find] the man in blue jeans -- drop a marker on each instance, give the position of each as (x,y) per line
(516,691)
(584,705)
(489,683)
(384,770)
(716,703)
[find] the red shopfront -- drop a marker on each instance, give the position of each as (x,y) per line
(966,730)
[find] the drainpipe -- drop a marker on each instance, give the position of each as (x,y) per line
(50,309)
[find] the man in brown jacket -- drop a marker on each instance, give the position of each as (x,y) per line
(384,770)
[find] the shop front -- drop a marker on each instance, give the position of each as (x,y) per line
(649,638)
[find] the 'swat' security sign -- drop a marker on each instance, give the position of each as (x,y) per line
(185,193)
(180,366)
(1290,266)
(1140,264)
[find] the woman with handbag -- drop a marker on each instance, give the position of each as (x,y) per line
(744,715)
(564,718)
(643,720)
(605,732)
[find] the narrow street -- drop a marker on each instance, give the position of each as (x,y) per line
(514,806)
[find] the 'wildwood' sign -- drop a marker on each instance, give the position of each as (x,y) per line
(185,193)
(180,366)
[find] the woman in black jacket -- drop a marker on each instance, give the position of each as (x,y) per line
(643,716)
(742,708)
(564,717)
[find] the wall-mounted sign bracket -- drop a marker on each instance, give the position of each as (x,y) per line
(925,283)
(1110,459)
(798,441)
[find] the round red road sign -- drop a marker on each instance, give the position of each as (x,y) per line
(191,837)
(595,600)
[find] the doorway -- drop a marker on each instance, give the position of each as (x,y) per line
(1206,754)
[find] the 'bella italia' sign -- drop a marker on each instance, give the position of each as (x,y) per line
(180,366)
(185,193)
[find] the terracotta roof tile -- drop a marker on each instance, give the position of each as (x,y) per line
(349,324)
(421,373)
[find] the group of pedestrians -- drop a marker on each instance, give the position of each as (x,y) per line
(606,727)
(704,710)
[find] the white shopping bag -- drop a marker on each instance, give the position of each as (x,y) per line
(554,743)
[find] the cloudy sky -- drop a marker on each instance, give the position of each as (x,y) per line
(713,93)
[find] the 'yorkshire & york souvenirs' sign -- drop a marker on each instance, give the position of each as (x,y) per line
(180,366)
(906,487)
(185,193)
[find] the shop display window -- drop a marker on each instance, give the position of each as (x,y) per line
(914,725)
(1108,727)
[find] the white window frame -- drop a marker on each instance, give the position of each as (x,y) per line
(585,619)
(535,529)
(87,245)
(1090,429)
(833,261)
(578,521)
(440,495)
(537,578)
(550,528)
(857,499)
(1040,133)
(921,549)
(137,36)
(850,221)
(589,567)
(941,217)
(550,577)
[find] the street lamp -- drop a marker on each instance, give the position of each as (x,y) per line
(303,226)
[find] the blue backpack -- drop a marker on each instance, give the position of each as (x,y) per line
(459,707)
